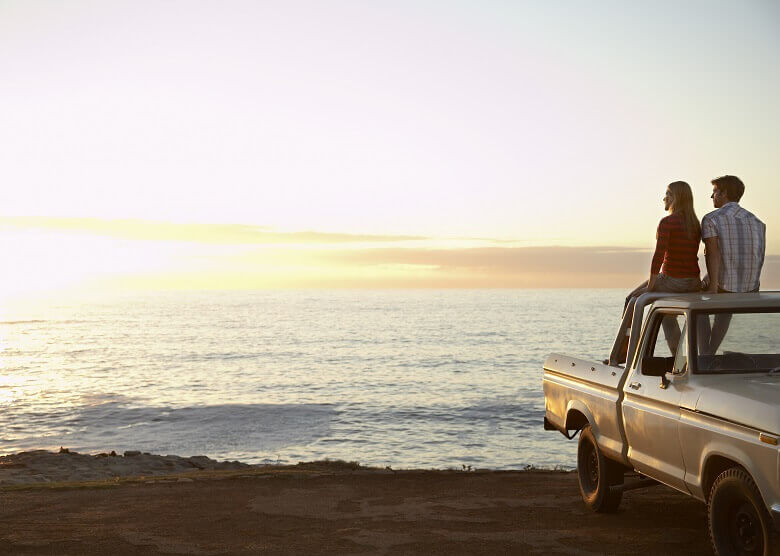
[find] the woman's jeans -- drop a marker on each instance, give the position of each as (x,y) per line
(663,283)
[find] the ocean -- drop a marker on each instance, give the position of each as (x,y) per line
(407,379)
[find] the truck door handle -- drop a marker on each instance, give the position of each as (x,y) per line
(635,385)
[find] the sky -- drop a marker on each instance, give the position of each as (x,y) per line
(233,144)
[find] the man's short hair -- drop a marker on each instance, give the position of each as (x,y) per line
(732,186)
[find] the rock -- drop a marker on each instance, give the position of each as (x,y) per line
(39,466)
(64,450)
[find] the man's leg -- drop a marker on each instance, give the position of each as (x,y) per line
(703,333)
(720,327)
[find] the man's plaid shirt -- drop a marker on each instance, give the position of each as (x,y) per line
(742,241)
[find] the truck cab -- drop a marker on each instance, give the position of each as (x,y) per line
(696,396)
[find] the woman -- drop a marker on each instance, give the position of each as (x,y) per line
(675,265)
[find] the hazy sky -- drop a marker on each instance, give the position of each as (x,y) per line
(539,123)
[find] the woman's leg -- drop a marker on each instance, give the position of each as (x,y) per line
(628,316)
(636,292)
(672,333)
(665,283)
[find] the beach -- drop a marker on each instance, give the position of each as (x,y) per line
(65,503)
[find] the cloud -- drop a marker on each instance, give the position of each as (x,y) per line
(151,255)
(504,266)
(423,267)
(537,260)
(228,234)
(491,267)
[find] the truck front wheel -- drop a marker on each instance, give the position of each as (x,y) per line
(738,520)
(597,475)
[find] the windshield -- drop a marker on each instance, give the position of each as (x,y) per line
(737,342)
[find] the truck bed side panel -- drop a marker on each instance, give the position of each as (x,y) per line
(571,385)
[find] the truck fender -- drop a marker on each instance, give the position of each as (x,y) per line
(577,416)
(716,457)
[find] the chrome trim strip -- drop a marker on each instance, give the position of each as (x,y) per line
(580,380)
(737,423)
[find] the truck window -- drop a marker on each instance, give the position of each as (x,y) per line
(667,350)
(668,336)
(737,342)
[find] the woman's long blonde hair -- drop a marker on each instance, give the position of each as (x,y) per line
(682,204)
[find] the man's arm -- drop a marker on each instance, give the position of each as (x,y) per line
(712,256)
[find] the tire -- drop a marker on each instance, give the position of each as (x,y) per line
(598,475)
(738,520)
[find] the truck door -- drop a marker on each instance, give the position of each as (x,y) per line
(651,407)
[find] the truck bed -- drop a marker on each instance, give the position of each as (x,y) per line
(586,392)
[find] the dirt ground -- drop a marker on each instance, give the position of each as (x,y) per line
(345,511)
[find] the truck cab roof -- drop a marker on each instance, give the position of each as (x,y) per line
(631,324)
(706,301)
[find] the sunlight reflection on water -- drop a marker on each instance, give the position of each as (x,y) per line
(403,378)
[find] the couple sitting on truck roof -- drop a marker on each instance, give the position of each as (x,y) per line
(734,246)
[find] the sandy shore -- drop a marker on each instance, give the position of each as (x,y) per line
(321,508)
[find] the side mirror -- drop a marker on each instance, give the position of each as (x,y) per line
(657,366)
(668,378)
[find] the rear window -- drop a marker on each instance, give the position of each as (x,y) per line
(738,342)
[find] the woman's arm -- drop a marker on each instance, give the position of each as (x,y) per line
(661,246)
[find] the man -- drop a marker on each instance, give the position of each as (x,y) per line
(734,246)
(734,240)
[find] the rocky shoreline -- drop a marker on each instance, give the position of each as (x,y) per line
(43,466)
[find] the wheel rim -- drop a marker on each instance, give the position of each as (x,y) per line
(592,468)
(745,529)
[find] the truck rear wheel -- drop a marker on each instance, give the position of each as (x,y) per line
(597,475)
(738,520)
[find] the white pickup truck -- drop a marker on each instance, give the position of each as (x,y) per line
(696,406)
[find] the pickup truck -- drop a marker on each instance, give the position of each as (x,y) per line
(694,406)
